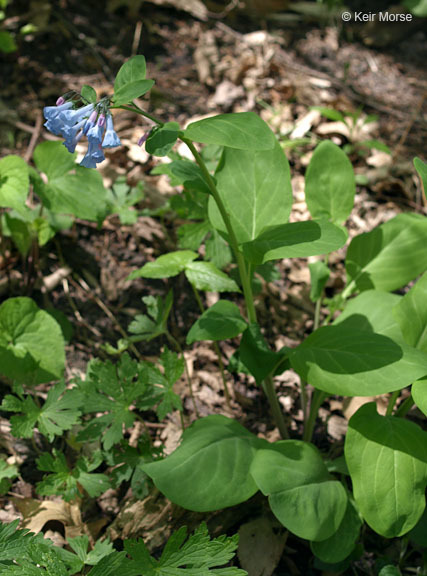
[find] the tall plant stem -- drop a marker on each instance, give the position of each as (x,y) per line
(268,384)
(316,401)
(392,402)
(216,347)
(178,347)
(244,277)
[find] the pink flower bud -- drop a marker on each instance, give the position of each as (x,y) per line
(101,120)
(60,101)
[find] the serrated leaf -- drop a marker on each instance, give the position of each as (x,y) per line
(173,368)
(60,412)
(111,565)
(108,389)
(387,460)
(198,556)
(145,328)
(219,322)
(65,482)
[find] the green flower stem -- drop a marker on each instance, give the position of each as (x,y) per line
(217,350)
(268,384)
(179,349)
(392,402)
(135,108)
(244,278)
(316,401)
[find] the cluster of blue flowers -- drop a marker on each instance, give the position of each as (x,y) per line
(93,121)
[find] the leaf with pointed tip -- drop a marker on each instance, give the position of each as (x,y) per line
(255,187)
(302,494)
(387,460)
(411,315)
(206,276)
(350,360)
(329,183)
(241,130)
(389,256)
(210,469)
(219,322)
(295,240)
(165,266)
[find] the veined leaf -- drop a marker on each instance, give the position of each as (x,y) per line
(242,130)
(255,187)
(387,461)
(219,322)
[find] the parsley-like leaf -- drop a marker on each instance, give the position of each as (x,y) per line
(112,389)
(65,482)
(59,413)
(173,368)
(198,556)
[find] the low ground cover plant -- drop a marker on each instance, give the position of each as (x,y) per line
(236,197)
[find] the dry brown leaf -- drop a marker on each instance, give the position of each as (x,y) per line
(36,514)
(260,548)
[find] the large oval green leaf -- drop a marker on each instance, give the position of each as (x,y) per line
(295,240)
(80,192)
(210,469)
(419,394)
(337,547)
(31,343)
(301,493)
(241,130)
(329,183)
(255,188)
(389,256)
(377,309)
(349,360)
(387,460)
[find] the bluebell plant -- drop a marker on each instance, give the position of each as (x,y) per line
(73,122)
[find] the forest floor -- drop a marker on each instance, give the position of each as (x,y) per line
(278,68)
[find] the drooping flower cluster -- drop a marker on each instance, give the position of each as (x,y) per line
(92,120)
